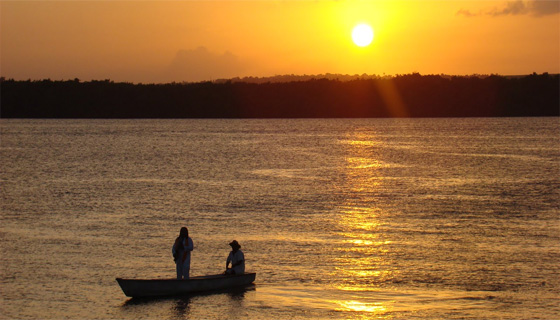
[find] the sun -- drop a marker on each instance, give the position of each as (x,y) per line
(362,35)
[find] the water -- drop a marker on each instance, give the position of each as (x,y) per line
(341,219)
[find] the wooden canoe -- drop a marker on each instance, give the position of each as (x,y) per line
(140,288)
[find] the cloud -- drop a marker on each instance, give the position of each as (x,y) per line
(543,8)
(466,13)
(536,8)
(511,8)
(200,65)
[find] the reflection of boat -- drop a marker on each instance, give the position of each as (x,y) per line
(172,287)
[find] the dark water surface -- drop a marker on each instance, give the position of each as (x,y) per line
(341,219)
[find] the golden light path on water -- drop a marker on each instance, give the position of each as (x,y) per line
(361,261)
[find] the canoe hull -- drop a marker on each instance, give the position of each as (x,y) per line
(140,288)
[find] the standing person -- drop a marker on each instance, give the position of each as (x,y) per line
(182,253)
(236,258)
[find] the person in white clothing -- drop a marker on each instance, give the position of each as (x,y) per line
(182,253)
(236,258)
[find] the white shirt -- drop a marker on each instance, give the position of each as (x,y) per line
(235,258)
(187,248)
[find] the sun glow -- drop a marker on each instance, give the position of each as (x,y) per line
(362,35)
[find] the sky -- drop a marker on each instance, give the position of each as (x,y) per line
(176,41)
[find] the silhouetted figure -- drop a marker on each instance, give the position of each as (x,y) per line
(236,258)
(182,253)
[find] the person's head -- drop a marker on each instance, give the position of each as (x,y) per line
(235,245)
(184,232)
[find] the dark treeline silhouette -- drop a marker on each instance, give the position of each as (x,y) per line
(410,95)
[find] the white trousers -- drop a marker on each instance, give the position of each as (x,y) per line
(183,268)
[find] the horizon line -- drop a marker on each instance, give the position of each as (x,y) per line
(302,77)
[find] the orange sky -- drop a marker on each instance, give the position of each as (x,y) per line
(164,41)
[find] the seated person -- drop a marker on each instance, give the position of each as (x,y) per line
(236,258)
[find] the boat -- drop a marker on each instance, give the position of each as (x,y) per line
(143,288)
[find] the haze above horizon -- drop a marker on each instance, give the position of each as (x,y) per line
(166,41)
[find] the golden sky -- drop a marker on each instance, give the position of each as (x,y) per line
(164,41)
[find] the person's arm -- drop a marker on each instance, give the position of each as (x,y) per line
(174,251)
(189,245)
(228,261)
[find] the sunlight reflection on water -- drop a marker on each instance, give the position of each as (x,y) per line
(360,262)
(370,309)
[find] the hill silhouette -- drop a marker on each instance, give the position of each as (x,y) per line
(411,95)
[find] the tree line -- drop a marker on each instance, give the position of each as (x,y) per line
(411,95)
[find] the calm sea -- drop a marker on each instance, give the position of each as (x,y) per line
(341,219)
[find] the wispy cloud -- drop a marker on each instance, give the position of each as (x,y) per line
(535,8)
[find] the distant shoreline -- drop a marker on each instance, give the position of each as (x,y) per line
(402,96)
